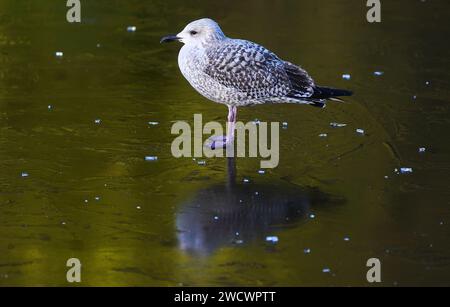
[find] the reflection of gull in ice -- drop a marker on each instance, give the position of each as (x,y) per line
(240,73)
(236,213)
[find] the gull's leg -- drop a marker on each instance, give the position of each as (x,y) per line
(232,117)
(223,141)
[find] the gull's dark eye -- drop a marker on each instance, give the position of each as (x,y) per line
(193,32)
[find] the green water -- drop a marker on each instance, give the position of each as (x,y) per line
(153,223)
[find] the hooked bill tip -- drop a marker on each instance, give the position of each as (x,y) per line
(169,38)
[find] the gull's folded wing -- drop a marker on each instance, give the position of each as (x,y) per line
(257,72)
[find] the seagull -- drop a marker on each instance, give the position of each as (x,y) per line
(240,73)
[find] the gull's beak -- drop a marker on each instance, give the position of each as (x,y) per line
(169,39)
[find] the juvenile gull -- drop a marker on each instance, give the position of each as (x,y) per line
(240,73)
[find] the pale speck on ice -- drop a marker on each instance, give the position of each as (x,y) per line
(337,125)
(272,239)
(406,170)
(346,76)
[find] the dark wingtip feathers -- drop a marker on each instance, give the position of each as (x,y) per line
(328,93)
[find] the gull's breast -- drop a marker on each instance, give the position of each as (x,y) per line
(192,62)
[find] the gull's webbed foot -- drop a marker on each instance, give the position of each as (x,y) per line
(217,142)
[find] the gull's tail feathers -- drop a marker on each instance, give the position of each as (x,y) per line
(320,96)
